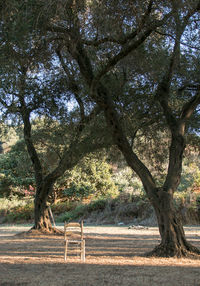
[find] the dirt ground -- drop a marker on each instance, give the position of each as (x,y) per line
(114,256)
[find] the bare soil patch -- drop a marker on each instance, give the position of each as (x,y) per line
(114,256)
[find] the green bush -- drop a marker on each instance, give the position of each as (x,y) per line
(77,192)
(74,214)
(63,207)
(83,210)
(66,216)
(190,177)
(14,201)
(16,171)
(91,177)
(20,213)
(97,205)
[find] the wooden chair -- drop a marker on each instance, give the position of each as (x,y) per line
(73,233)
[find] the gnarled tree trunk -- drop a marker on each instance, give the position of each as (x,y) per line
(173,241)
(41,213)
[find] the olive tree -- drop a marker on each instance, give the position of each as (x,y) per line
(28,93)
(98,48)
(100,38)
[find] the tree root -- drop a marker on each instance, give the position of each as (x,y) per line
(50,230)
(188,251)
(41,231)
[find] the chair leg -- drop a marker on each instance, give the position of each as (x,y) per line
(65,253)
(83,250)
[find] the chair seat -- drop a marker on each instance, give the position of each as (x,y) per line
(73,241)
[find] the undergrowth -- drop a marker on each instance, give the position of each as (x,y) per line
(16,210)
(124,208)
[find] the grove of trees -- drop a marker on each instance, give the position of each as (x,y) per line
(105,73)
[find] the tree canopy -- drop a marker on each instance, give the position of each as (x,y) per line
(138,65)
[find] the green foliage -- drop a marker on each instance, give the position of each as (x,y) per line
(16,210)
(77,192)
(21,213)
(9,137)
(127,182)
(100,210)
(99,204)
(197,178)
(190,176)
(7,204)
(49,138)
(15,170)
(91,177)
(84,210)
(74,214)
(63,207)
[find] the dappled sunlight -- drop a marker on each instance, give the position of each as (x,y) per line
(139,271)
(114,256)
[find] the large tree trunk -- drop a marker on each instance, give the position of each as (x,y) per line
(173,241)
(41,213)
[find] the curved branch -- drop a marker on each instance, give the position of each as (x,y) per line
(190,106)
(25,113)
(134,42)
(104,101)
(72,84)
(74,153)
(125,39)
(30,146)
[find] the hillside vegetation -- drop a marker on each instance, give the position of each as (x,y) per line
(101,189)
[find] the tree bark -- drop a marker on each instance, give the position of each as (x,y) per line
(70,157)
(173,241)
(41,214)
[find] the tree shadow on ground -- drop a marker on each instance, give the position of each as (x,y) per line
(111,259)
(79,274)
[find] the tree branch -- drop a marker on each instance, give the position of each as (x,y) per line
(75,152)
(123,39)
(147,13)
(135,41)
(181,42)
(190,106)
(73,85)
(11,108)
(25,113)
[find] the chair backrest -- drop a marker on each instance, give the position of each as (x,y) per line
(73,230)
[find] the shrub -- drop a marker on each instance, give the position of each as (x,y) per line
(77,192)
(83,210)
(15,209)
(99,204)
(74,214)
(20,213)
(63,207)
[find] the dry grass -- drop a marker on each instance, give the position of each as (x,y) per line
(113,257)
